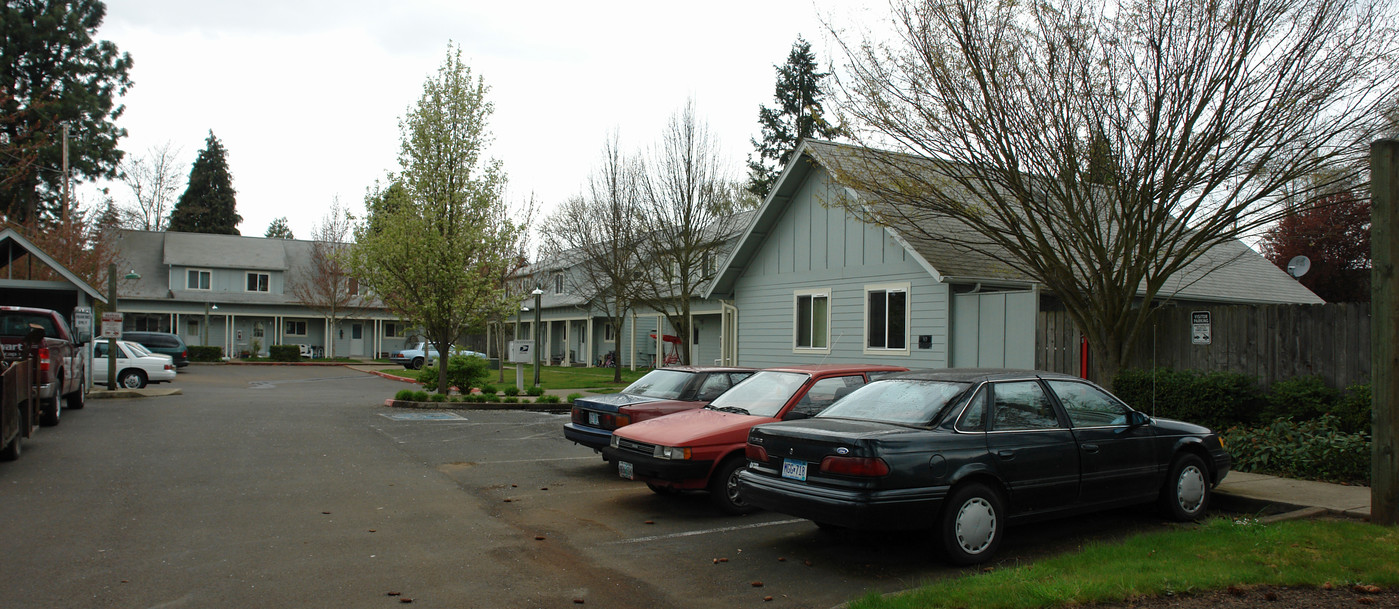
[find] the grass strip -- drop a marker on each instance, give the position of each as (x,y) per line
(1212,556)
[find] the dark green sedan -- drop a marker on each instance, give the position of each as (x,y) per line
(968,451)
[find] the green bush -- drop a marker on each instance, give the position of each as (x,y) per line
(510,400)
(420,396)
(463,372)
(437,397)
(573,396)
(284,353)
(404,395)
(489,390)
(535,391)
(547,399)
(512,391)
(1217,400)
(1301,398)
(1314,450)
(203,353)
(1353,410)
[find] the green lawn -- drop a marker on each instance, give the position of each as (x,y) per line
(553,377)
(1212,556)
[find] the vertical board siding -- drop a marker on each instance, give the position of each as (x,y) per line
(1268,342)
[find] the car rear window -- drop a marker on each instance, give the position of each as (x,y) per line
(660,384)
(901,401)
(17,324)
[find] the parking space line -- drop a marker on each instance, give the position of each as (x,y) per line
(755,525)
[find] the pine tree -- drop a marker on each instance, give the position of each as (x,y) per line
(279,229)
(207,205)
(798,115)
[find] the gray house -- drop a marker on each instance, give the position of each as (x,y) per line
(237,293)
(808,282)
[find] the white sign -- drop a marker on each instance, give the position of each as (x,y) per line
(82,320)
(1200,328)
(111,325)
(521,352)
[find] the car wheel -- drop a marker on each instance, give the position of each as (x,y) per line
(132,379)
(417,363)
(1187,491)
(723,487)
(78,399)
(50,411)
(973,523)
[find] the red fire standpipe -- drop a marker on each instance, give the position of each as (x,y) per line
(1082,356)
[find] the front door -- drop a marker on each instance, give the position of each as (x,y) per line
(356,339)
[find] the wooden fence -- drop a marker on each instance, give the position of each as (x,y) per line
(1269,342)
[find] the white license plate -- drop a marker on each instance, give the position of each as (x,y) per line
(593,419)
(624,470)
(796,470)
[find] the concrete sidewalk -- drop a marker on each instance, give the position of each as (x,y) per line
(1285,497)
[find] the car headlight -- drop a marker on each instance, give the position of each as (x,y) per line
(671,452)
(613,441)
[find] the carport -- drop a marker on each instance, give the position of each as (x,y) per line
(31,277)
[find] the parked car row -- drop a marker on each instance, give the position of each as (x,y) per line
(964,452)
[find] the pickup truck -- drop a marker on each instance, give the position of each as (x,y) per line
(19,405)
(61,367)
(417,356)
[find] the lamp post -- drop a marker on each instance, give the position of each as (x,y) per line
(534,331)
(112,340)
(519,368)
(208,306)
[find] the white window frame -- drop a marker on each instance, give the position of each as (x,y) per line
(395,329)
(558,283)
(287,324)
(897,286)
(260,275)
(796,302)
(201,273)
(609,334)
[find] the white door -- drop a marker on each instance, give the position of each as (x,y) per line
(356,339)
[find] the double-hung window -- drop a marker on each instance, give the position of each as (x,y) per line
(886,318)
(197,279)
(812,321)
(259,282)
(295,328)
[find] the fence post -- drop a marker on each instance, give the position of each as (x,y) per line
(1384,295)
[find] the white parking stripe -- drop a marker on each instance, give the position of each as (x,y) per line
(704,532)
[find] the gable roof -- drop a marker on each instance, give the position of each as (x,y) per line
(1229,272)
(225,251)
(11,241)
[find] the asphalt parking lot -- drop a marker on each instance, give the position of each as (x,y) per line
(294,486)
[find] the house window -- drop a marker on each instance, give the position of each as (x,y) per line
(608,333)
(258,331)
(296,328)
(886,317)
(259,282)
(558,283)
(394,330)
(196,279)
(813,320)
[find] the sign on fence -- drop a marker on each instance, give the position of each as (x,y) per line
(1200,327)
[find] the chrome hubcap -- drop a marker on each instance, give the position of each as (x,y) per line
(976,525)
(731,488)
(1190,489)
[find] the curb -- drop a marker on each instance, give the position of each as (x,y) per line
(102,394)
(531,406)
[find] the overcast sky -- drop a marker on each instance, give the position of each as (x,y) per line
(306,95)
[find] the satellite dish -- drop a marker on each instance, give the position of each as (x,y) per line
(1298,266)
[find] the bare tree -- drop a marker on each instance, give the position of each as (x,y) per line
(324,283)
(1103,148)
(688,217)
(597,235)
(514,256)
(156,181)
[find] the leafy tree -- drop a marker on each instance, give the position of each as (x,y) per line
(687,219)
(798,115)
(52,71)
(154,180)
(324,283)
(279,229)
(431,245)
(208,205)
(1333,231)
(1207,111)
(600,234)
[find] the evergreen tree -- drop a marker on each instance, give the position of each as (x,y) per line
(797,116)
(54,72)
(207,205)
(279,229)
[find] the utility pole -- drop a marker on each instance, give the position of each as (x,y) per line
(1384,338)
(63,214)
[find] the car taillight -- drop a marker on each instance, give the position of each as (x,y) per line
(620,420)
(756,453)
(44,359)
(855,466)
(169,366)
(577,415)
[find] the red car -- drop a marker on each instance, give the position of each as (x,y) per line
(704,448)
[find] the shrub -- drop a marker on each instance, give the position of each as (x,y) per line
(462,372)
(403,395)
(1315,450)
(535,391)
(484,398)
(489,390)
(573,396)
(512,391)
(1218,400)
(547,399)
(1353,410)
(438,397)
(284,353)
(1301,398)
(420,396)
(204,353)
(510,400)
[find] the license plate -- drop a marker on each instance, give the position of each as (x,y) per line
(593,419)
(796,470)
(624,470)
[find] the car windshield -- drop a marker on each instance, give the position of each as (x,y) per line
(137,348)
(761,395)
(900,401)
(660,384)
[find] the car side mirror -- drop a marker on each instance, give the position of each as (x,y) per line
(1137,419)
(794,415)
